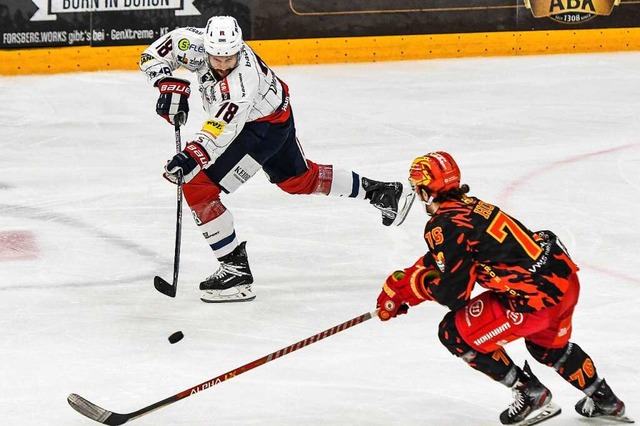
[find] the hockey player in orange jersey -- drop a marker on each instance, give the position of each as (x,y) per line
(532,289)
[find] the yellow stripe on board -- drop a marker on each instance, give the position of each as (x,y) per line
(69,59)
(336,50)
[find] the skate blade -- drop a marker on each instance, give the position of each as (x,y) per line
(621,419)
(544,413)
(240,293)
(406,201)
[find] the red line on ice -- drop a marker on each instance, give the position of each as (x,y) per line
(511,189)
(17,245)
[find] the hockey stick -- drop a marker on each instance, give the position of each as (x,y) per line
(158,282)
(92,411)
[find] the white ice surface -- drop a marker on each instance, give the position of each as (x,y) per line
(554,140)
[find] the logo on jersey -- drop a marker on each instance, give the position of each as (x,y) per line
(145,57)
(196,62)
(207,77)
(570,11)
(440,262)
(194,30)
(241,84)
(214,127)
(490,272)
(183,59)
(224,90)
(184,44)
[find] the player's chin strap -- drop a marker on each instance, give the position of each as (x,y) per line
(427,204)
(423,192)
(429,201)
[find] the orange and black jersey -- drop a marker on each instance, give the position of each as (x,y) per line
(471,241)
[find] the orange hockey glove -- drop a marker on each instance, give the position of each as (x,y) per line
(404,288)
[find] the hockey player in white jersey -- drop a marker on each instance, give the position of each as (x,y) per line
(250,126)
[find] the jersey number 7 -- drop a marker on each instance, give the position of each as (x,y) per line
(503,223)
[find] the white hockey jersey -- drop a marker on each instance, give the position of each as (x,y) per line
(251,92)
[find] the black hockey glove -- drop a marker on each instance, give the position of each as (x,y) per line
(174,95)
(189,162)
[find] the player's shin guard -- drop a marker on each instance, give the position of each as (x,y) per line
(212,217)
(346,183)
(391,198)
(570,361)
(220,234)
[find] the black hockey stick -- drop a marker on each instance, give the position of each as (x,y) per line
(92,411)
(158,282)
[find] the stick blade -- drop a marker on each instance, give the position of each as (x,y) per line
(92,411)
(164,287)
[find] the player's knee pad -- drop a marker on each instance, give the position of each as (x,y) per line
(450,336)
(547,356)
(496,364)
(207,211)
(203,197)
(316,180)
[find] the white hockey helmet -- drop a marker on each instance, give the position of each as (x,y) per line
(223,36)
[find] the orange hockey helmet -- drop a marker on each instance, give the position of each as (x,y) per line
(436,172)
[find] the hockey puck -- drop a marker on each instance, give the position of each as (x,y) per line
(176,337)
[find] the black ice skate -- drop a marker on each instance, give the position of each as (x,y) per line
(532,401)
(603,403)
(232,281)
(389,198)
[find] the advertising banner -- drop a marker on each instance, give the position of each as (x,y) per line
(327,18)
(56,23)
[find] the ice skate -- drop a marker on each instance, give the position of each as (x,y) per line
(232,281)
(604,404)
(532,402)
(389,198)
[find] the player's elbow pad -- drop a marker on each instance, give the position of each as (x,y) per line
(419,279)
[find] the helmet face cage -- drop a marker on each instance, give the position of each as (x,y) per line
(433,174)
(223,36)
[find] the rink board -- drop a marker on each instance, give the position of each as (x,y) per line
(340,50)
